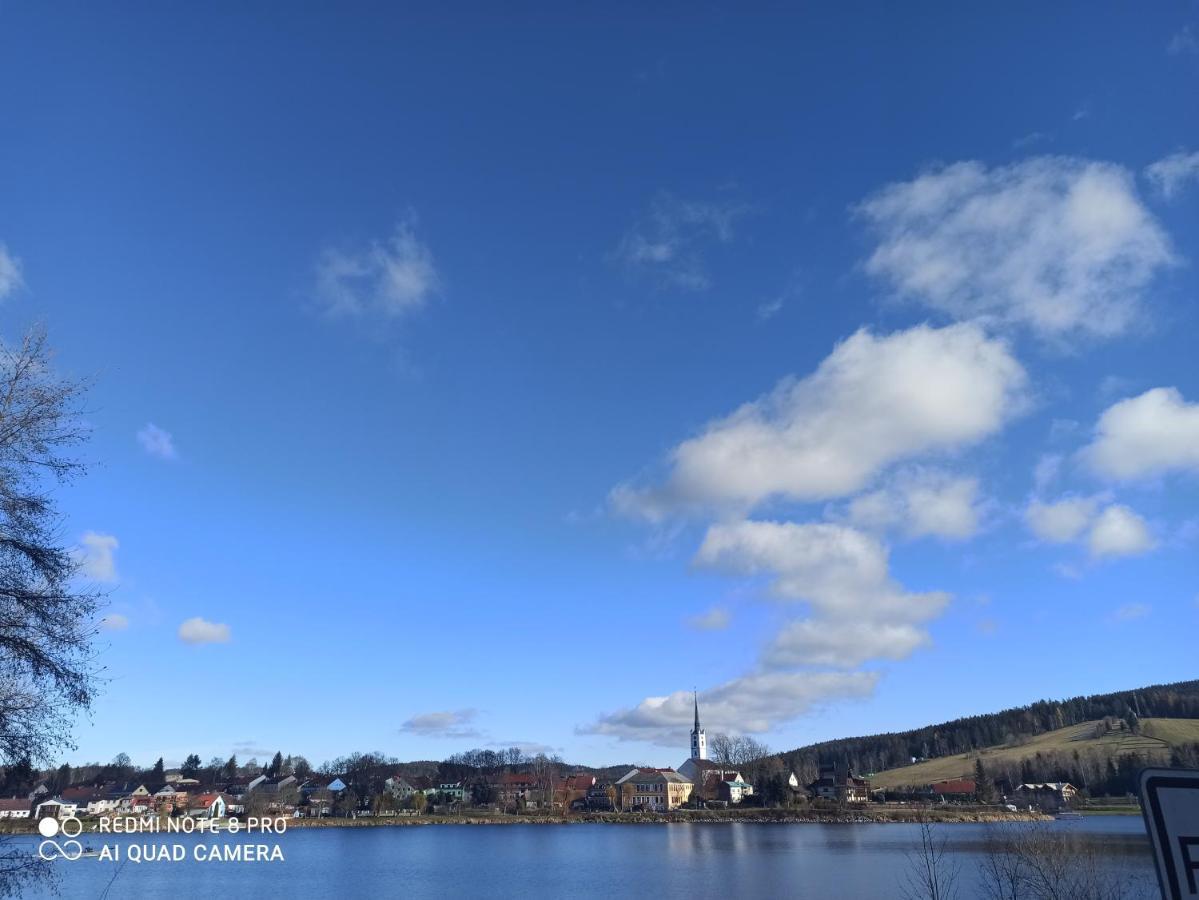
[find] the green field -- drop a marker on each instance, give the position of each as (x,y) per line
(1157,736)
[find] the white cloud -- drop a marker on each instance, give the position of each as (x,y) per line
(200,631)
(872,402)
(1172,174)
(1048,467)
(114,622)
(1063,521)
(715,619)
(812,642)
(754,703)
(157,442)
(251,749)
(1109,530)
(842,572)
(769,309)
(1183,41)
(447,724)
(97,556)
(1151,434)
(920,502)
(1063,246)
(1131,611)
(667,243)
(1119,532)
(386,279)
(10,272)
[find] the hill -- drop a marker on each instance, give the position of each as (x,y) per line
(1047,740)
(1155,741)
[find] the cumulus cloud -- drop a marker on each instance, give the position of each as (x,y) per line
(667,243)
(386,279)
(1118,531)
(920,502)
(447,724)
(1109,529)
(753,703)
(114,622)
(1062,246)
(97,556)
(200,631)
(1062,521)
(811,642)
(156,441)
(840,571)
(1151,434)
(1172,174)
(872,402)
(715,619)
(10,272)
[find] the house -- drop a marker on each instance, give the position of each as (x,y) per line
(402,787)
(93,801)
(452,792)
(56,809)
(1046,794)
(658,790)
(14,808)
(708,776)
(732,789)
(572,791)
(601,796)
(336,786)
(513,789)
(839,785)
(955,788)
(207,806)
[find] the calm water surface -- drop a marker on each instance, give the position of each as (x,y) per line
(866,861)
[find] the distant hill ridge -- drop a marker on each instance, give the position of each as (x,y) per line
(879,752)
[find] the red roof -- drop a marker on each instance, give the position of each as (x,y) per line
(16,803)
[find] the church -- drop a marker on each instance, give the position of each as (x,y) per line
(712,781)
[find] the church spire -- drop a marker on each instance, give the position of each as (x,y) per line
(699,740)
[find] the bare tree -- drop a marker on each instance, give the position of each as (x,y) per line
(47,620)
(1031,862)
(737,750)
(932,870)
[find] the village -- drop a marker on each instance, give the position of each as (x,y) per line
(363,791)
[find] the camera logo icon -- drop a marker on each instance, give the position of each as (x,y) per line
(50,828)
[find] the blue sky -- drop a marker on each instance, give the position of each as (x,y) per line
(467,378)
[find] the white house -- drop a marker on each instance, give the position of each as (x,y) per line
(55,808)
(14,808)
(207,806)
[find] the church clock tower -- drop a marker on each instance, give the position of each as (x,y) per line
(699,740)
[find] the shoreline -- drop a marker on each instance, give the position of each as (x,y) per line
(683,817)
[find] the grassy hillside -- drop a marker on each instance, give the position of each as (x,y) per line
(1157,737)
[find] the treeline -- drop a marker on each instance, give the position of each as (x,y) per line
(879,752)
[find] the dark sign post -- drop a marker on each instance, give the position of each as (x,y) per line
(1170,804)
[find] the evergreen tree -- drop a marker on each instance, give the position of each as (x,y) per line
(276,766)
(191,766)
(156,774)
(984,789)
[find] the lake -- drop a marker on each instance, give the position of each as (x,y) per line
(865,861)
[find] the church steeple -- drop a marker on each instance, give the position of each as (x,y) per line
(699,740)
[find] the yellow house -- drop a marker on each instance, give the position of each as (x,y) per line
(654,790)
